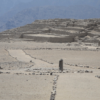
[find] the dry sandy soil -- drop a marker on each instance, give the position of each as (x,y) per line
(25,87)
(78,87)
(90,58)
(25,69)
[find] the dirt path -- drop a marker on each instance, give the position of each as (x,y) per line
(21,56)
(78,87)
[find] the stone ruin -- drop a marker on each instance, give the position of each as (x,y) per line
(58,31)
(61,65)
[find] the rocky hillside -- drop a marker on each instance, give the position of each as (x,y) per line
(87,30)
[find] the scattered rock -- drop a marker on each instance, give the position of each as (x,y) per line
(1,68)
(1,72)
(8,72)
(86,71)
(97,76)
(86,66)
(30,60)
(51,73)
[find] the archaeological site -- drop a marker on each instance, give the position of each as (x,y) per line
(54,59)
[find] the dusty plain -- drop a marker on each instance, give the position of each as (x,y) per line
(28,71)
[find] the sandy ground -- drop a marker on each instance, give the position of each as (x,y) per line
(29,45)
(24,44)
(25,87)
(25,69)
(21,56)
(5,57)
(78,87)
(90,58)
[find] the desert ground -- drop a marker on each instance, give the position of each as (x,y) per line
(30,71)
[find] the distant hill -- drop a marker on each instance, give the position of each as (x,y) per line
(7,5)
(49,12)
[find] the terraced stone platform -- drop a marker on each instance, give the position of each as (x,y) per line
(55,38)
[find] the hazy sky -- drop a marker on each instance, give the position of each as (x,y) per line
(95,3)
(6,5)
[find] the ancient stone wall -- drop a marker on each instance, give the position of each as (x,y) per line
(93,34)
(51,39)
(62,40)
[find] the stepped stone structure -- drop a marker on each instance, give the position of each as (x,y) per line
(58,31)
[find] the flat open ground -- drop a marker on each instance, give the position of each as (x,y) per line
(21,56)
(90,58)
(5,57)
(25,87)
(25,69)
(78,87)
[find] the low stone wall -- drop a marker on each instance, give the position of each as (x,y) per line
(62,40)
(50,39)
(6,35)
(59,32)
(92,41)
(93,34)
(76,25)
(72,28)
(76,33)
